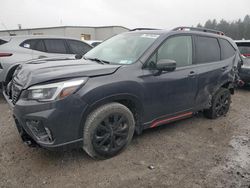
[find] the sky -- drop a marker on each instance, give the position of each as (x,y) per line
(164,14)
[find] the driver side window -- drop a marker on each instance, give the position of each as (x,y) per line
(177,48)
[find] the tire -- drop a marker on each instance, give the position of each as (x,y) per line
(220,104)
(108,131)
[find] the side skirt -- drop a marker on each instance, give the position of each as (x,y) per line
(168,119)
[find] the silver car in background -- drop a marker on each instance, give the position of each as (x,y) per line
(15,50)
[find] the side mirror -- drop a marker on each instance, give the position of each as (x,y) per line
(166,65)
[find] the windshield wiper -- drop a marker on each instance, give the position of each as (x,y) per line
(97,60)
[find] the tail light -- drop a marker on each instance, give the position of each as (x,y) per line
(246,55)
(5,54)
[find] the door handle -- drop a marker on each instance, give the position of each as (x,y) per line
(192,74)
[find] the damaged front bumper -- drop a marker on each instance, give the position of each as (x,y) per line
(55,126)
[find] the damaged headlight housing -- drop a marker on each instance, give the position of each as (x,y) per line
(53,91)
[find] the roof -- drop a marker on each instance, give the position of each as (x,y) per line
(162,32)
(58,27)
(20,38)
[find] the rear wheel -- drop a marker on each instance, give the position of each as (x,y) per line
(108,130)
(220,104)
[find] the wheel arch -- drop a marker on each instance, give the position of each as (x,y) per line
(130,101)
(229,85)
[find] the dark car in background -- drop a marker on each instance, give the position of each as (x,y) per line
(244,47)
(131,82)
(15,50)
(244,71)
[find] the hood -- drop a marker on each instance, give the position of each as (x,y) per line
(44,70)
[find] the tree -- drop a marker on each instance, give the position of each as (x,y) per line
(237,29)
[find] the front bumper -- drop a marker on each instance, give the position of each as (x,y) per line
(54,125)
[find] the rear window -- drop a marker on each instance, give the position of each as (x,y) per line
(244,48)
(34,44)
(2,41)
(227,49)
(55,46)
(207,49)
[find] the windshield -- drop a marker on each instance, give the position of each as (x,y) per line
(122,49)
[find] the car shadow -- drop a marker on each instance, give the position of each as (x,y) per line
(63,156)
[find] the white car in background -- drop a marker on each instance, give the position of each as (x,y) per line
(15,50)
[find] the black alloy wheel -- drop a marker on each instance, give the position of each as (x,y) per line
(220,104)
(111,134)
(108,130)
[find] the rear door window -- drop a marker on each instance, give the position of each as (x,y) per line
(78,47)
(55,46)
(227,50)
(207,49)
(34,44)
(30,44)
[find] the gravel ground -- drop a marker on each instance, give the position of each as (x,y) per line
(196,152)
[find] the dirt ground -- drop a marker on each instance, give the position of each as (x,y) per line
(196,152)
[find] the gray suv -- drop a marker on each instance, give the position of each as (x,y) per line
(16,50)
(131,82)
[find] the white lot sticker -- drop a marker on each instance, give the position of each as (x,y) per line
(125,62)
(26,45)
(152,36)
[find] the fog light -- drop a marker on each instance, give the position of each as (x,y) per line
(48,133)
(41,132)
(35,126)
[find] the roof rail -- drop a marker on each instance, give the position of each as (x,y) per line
(140,29)
(198,29)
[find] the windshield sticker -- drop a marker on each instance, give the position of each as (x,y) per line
(125,62)
(152,36)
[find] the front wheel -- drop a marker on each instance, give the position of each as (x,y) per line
(108,130)
(220,104)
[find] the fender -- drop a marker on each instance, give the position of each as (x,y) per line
(10,72)
(228,84)
(116,98)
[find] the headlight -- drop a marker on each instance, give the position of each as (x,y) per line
(50,92)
